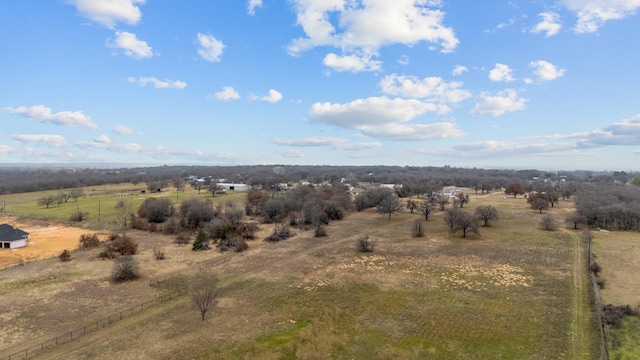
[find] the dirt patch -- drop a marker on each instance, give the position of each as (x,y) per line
(46,240)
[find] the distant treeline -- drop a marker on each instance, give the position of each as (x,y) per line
(28,179)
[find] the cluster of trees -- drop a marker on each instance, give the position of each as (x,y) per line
(62,197)
(305,206)
(221,224)
(607,206)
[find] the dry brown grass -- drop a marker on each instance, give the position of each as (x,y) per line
(506,293)
(619,255)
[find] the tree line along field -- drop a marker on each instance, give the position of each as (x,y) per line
(514,291)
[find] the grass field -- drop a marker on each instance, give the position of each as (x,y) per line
(514,292)
(619,255)
(100,201)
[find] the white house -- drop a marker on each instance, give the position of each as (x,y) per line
(12,238)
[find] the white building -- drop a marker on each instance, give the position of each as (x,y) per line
(234,187)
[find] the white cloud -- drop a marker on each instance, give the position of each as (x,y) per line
(357,146)
(430,88)
(158,84)
(503,25)
(592,14)
(43,113)
(625,132)
(101,142)
(550,24)
(131,46)
(310,141)
(501,72)
(210,48)
(546,71)
(110,12)
(126,148)
(227,93)
(273,97)
(413,132)
(103,139)
(55,141)
(331,142)
(370,111)
(252,6)
(123,130)
(384,118)
(4,149)
(459,69)
(294,153)
(363,27)
(492,148)
(353,63)
(503,102)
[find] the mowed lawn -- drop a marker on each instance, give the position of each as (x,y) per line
(618,253)
(514,292)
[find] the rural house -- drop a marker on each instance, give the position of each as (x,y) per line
(12,238)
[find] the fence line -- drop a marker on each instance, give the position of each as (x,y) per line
(597,302)
(175,291)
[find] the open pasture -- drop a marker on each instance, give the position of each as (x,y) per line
(514,292)
(618,253)
(100,201)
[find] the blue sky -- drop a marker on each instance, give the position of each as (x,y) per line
(489,84)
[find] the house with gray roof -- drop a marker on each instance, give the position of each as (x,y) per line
(12,238)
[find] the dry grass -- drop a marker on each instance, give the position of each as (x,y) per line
(504,294)
(619,255)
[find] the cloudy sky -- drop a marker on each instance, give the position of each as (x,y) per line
(547,84)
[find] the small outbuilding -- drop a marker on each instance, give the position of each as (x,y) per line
(12,238)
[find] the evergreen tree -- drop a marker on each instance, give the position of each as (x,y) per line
(201,242)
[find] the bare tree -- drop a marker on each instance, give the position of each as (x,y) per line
(389,205)
(156,210)
(124,211)
(426,208)
(442,200)
(412,205)
(76,193)
(553,196)
(366,243)
(213,187)
(46,200)
(462,221)
(461,199)
(540,204)
(486,213)
(548,222)
(64,196)
(178,183)
(125,268)
(204,294)
(197,185)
